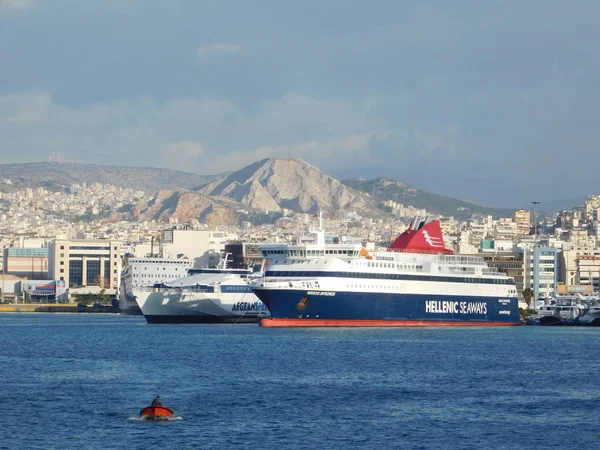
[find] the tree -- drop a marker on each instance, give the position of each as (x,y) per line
(528,295)
(104,297)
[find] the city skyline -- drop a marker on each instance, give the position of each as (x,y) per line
(487,103)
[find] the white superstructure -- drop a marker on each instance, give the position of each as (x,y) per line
(146,272)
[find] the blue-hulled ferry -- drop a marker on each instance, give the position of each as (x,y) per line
(417,281)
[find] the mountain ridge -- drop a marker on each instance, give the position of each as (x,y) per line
(268,185)
(385,189)
(53,175)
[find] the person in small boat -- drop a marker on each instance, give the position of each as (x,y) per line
(156,401)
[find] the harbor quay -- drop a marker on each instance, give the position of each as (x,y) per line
(52,308)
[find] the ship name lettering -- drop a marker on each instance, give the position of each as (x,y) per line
(450,307)
(249,306)
(330,294)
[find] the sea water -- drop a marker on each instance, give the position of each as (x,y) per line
(79,381)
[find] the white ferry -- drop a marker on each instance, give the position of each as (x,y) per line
(210,295)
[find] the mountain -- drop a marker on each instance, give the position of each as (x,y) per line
(382,189)
(273,184)
(54,175)
(182,205)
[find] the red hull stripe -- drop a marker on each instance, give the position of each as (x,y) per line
(377,323)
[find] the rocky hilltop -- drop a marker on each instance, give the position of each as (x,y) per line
(273,184)
(54,175)
(183,205)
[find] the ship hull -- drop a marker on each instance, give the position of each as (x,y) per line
(193,307)
(197,318)
(330,308)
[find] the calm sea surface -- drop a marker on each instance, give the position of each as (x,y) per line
(79,380)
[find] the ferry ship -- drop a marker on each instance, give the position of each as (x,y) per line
(146,272)
(417,281)
(208,295)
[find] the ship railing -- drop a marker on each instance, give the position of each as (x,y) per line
(490,271)
(462,260)
(457,270)
(173,290)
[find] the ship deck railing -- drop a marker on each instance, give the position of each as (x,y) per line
(444,259)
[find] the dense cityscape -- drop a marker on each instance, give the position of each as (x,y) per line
(557,254)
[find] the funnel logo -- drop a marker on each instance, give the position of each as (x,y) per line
(433,241)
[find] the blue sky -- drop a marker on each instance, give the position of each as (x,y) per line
(495,101)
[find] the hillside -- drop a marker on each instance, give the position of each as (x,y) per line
(182,205)
(53,175)
(274,184)
(382,189)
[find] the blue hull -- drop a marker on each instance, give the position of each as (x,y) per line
(413,308)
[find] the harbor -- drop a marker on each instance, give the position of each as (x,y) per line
(245,386)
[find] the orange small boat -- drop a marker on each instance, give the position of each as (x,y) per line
(156,413)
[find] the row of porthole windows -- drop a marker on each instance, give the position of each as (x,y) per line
(370,286)
(150,275)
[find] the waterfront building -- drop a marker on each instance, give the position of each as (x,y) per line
(541,270)
(82,263)
(44,291)
(572,264)
(9,287)
(29,263)
(588,271)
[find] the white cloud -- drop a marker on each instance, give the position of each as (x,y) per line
(182,155)
(208,136)
(10,6)
(187,148)
(218,48)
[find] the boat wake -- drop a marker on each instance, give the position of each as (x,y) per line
(166,419)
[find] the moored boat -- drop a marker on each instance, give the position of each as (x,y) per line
(212,295)
(416,281)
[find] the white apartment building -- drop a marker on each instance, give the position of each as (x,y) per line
(203,247)
(576,268)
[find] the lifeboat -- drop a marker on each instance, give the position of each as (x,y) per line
(156,412)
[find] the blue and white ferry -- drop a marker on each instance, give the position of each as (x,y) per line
(414,282)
